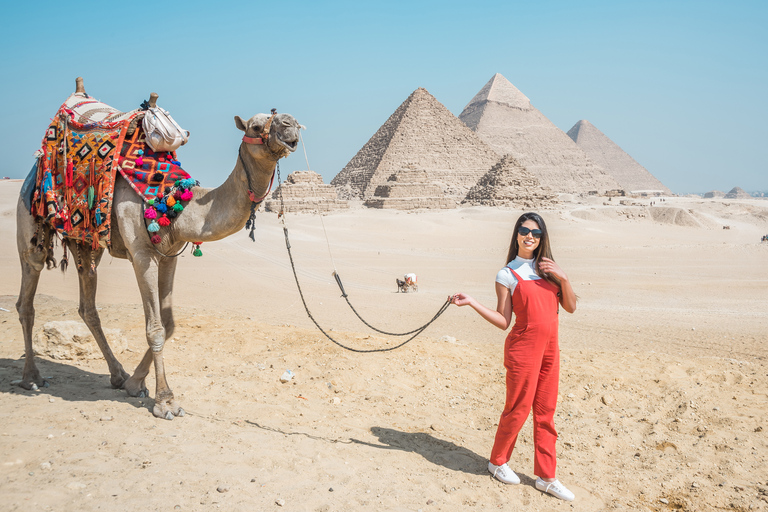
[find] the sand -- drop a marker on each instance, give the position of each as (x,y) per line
(663,398)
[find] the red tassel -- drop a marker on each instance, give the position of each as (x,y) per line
(70,174)
(95,244)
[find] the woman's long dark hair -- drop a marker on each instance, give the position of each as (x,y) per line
(543,249)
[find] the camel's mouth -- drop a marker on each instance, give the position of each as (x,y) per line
(290,145)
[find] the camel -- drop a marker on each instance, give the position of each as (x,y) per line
(211,214)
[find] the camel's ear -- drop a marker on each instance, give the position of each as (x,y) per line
(240,124)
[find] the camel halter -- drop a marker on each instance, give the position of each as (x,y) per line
(256,201)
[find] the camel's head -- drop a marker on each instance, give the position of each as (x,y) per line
(278,132)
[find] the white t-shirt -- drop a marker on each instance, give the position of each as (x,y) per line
(524,269)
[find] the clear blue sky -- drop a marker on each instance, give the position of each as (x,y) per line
(680,85)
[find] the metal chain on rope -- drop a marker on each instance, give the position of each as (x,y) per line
(415,332)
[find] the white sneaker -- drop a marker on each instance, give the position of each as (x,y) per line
(555,488)
(503,473)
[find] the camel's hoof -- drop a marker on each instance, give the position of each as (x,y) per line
(30,385)
(169,415)
(144,393)
(181,412)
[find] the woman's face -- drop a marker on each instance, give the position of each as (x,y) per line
(527,243)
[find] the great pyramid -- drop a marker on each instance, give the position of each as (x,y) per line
(504,118)
(631,176)
(421,136)
(509,184)
(304,191)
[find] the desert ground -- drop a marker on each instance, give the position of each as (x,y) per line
(664,383)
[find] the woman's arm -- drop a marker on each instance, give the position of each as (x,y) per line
(567,295)
(501,318)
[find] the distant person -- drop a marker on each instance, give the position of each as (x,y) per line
(532,286)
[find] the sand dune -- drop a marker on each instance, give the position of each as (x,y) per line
(663,402)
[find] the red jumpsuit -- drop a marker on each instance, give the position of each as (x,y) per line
(532,359)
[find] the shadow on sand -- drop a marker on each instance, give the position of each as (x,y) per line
(435,450)
(67,382)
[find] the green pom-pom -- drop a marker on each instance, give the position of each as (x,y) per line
(177,207)
(197,252)
(151,202)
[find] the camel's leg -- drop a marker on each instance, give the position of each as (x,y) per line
(167,273)
(88,282)
(167,270)
(135,385)
(32,263)
(145,267)
(30,276)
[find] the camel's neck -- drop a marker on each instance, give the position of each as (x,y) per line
(217,213)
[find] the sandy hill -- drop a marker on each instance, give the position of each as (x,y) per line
(422,136)
(630,175)
(509,184)
(504,118)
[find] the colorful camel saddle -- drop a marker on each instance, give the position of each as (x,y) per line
(85,146)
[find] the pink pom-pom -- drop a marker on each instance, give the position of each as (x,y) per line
(150,213)
(186,195)
(139,161)
(156,239)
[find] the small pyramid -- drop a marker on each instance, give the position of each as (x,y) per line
(304,191)
(504,118)
(631,176)
(737,193)
(421,135)
(509,184)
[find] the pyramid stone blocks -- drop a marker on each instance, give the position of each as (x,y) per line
(427,150)
(509,184)
(304,191)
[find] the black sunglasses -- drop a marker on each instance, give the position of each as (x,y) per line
(523,231)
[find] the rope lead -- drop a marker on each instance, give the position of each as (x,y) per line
(281,216)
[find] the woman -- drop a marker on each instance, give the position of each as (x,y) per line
(532,286)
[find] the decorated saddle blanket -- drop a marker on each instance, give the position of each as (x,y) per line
(84,147)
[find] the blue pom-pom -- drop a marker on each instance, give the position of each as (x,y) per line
(153,227)
(161,207)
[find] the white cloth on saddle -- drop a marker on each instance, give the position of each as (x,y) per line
(90,110)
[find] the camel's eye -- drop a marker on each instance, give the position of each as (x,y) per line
(256,128)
